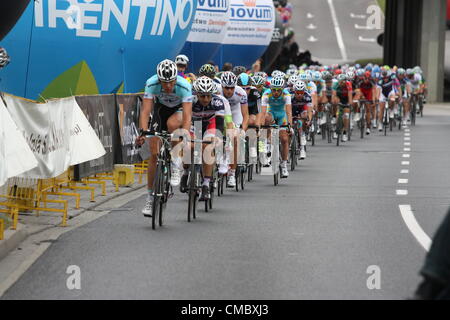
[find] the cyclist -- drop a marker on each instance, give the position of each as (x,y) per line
(389,85)
(237,97)
(320,97)
(342,93)
(210,110)
(418,70)
(254,104)
(366,89)
(415,80)
(168,98)
(182,64)
(276,108)
(406,90)
(301,110)
(209,71)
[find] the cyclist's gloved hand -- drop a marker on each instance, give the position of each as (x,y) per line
(140,140)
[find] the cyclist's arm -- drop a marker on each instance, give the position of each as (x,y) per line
(146,111)
(260,118)
(187,115)
(245,116)
(289,113)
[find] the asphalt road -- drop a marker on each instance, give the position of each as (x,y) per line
(312,237)
(322,41)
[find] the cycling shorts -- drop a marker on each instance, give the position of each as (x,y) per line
(161,114)
(280,118)
(367,93)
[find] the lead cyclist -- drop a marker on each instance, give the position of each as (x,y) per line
(168,98)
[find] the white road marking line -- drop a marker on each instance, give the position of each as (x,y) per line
(414,227)
(407,138)
(406,130)
(358,27)
(402,192)
(312,39)
(403,181)
(406,155)
(338,31)
(366,39)
(405,163)
(404,171)
(357,16)
(311,26)
(407,134)
(407,143)
(309,15)
(406,149)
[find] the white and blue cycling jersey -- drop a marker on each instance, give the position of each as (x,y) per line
(182,92)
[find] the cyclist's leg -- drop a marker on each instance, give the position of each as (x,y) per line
(391,103)
(382,100)
(357,96)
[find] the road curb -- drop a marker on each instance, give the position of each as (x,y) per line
(13,238)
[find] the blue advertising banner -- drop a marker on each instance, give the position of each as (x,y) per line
(70,47)
(207,33)
(249,32)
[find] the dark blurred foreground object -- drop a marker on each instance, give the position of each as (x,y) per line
(305,58)
(10,12)
(436,270)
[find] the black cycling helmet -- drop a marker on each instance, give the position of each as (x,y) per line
(239,69)
(207,70)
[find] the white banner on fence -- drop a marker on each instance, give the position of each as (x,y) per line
(57,132)
(15,155)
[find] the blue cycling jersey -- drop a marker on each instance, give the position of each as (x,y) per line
(276,104)
(182,92)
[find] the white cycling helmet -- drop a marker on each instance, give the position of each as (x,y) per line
(300,86)
(277,73)
(182,59)
(4,58)
(228,79)
(293,79)
(204,84)
(167,70)
(350,75)
(316,76)
(277,82)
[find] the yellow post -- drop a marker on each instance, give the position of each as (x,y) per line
(15,212)
(2,228)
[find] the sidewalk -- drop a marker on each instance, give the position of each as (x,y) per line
(30,224)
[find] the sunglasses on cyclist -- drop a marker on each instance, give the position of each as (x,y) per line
(299,92)
(246,88)
(204,95)
(277,89)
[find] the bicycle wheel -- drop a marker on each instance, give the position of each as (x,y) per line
(339,130)
(421,107)
(157,191)
(362,122)
(192,193)
(293,152)
(237,177)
